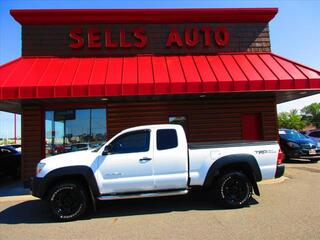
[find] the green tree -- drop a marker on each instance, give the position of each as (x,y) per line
(312,114)
(291,120)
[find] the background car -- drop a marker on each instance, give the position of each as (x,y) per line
(10,161)
(82,146)
(315,134)
(297,145)
(15,146)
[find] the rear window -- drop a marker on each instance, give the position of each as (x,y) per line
(291,135)
(166,139)
(315,134)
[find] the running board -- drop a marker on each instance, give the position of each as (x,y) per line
(143,195)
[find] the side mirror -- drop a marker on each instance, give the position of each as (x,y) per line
(107,150)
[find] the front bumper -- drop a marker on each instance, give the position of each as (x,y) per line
(279,171)
(38,187)
(302,153)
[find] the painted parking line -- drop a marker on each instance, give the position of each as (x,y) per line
(17,198)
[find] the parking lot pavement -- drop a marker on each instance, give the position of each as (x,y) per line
(288,209)
(12,188)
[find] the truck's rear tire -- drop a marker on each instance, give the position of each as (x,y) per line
(233,189)
(68,201)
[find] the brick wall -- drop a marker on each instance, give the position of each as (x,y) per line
(32,144)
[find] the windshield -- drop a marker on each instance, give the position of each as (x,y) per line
(291,135)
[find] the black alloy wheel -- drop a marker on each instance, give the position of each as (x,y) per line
(68,201)
(233,189)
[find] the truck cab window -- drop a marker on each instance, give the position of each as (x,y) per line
(166,139)
(132,142)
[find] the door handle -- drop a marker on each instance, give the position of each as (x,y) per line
(145,159)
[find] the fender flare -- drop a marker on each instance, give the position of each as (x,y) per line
(234,159)
(83,171)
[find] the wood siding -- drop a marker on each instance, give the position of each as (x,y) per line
(32,144)
(207,120)
(53,40)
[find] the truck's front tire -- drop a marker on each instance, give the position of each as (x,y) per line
(68,201)
(233,189)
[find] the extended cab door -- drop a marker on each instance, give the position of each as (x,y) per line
(128,167)
(170,158)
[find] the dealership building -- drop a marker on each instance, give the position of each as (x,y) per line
(85,75)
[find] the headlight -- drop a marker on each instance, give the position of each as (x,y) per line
(40,166)
(293,145)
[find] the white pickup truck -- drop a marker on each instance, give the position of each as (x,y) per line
(154,161)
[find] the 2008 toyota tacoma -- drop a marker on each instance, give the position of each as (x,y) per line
(154,161)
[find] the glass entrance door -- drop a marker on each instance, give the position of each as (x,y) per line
(74,130)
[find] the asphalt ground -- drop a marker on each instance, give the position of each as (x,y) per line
(288,208)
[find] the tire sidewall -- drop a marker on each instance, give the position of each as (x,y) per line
(79,191)
(221,196)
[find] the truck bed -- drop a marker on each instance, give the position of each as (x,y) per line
(225,144)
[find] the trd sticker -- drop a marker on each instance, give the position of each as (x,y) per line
(265,151)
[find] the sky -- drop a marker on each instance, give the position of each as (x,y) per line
(294,31)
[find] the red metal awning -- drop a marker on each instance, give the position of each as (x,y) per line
(54,77)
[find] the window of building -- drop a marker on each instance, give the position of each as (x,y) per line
(74,130)
(166,139)
(132,142)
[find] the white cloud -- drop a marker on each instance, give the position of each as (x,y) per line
(298,103)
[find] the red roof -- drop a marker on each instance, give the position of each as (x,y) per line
(93,16)
(54,77)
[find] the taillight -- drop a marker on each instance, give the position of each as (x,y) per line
(281,157)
